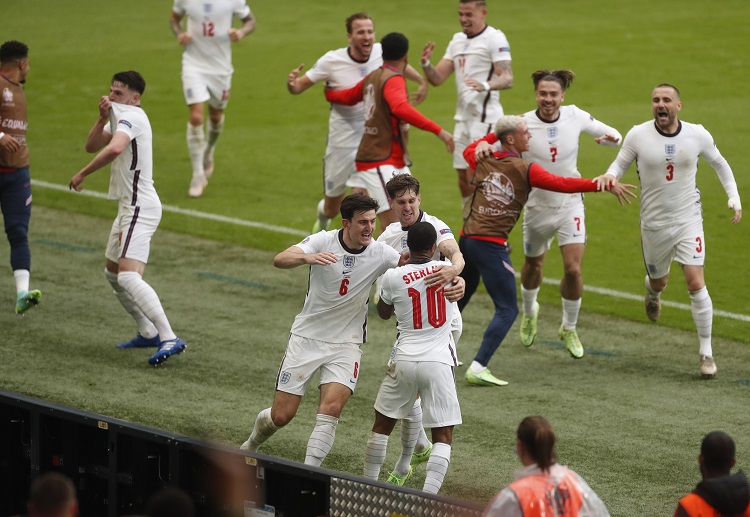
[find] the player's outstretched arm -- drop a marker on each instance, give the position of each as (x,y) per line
(297,83)
(620,190)
(734,204)
(416,98)
(294,256)
(447,139)
(107,155)
(435,74)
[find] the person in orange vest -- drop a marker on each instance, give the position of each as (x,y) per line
(720,494)
(542,487)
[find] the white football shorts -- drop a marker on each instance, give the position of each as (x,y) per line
(541,223)
(132,229)
(337,362)
(432,381)
(464,133)
(374,181)
(684,244)
(201,87)
(457,325)
(338,168)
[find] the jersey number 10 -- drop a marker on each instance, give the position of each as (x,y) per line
(435,306)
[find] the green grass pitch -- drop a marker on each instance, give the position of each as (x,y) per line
(629,416)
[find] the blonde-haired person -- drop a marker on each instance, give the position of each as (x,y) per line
(542,486)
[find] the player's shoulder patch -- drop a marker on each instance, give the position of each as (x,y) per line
(125,123)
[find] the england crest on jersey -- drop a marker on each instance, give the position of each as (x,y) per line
(207,8)
(670,149)
(552,132)
(404,245)
(348,262)
(7,95)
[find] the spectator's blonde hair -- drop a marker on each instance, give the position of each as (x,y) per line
(506,125)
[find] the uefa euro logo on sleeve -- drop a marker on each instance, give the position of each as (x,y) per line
(348,262)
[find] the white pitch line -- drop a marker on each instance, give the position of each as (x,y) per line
(293,231)
(183,211)
(639,298)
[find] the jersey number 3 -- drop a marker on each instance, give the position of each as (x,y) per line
(435,306)
(670,172)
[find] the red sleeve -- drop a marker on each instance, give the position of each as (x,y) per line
(348,97)
(394,92)
(539,177)
(469,152)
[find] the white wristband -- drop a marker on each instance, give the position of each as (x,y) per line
(1,135)
(486,86)
(425,63)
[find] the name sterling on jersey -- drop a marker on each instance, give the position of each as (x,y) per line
(413,276)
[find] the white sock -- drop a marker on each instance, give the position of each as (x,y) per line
(22,277)
(570,310)
(651,292)
(321,439)
(528,301)
(703,313)
(437,466)
(476,367)
(147,301)
(214,132)
(145,327)
(196,143)
(416,415)
(410,430)
(263,429)
(323,219)
(375,455)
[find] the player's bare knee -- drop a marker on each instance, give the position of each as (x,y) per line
(572,275)
(281,417)
(332,408)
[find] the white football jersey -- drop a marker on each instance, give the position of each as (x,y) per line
(335,309)
(554,146)
(340,72)
(394,234)
(209,22)
(475,57)
(423,314)
(131,179)
(667,166)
